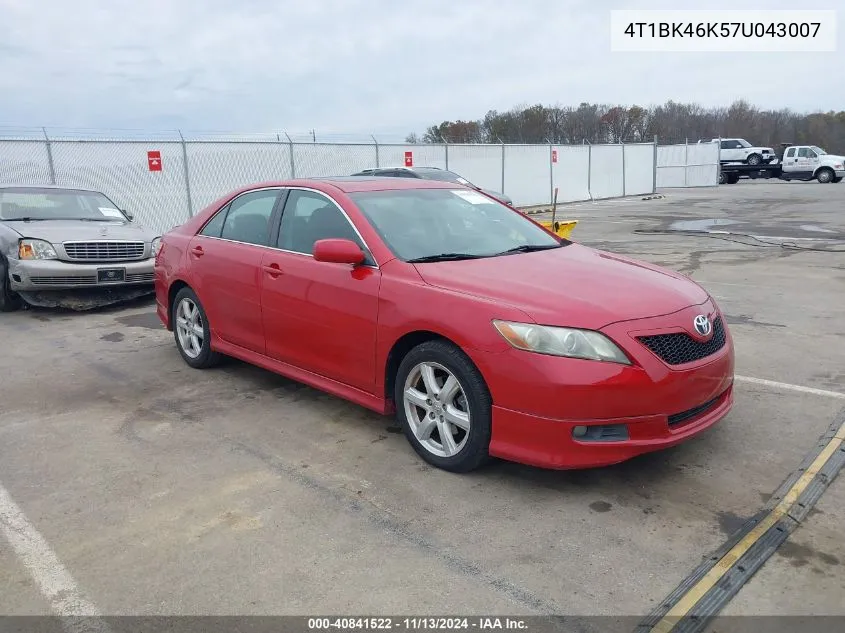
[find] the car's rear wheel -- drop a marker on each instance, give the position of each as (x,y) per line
(9,301)
(825,175)
(444,407)
(191,331)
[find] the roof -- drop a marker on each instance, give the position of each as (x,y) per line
(351,184)
(56,187)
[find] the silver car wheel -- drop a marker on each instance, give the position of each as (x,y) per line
(437,409)
(189,328)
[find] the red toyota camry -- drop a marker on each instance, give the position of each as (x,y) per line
(487,335)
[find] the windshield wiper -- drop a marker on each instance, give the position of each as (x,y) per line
(93,219)
(444,257)
(528,248)
(27,219)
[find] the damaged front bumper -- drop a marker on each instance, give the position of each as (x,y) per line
(86,298)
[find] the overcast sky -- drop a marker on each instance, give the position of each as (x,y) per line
(354,66)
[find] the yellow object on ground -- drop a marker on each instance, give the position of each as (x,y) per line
(563,228)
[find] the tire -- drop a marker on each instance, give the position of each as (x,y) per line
(9,301)
(199,355)
(424,417)
(825,175)
(733,179)
(838,179)
(722,179)
(754,159)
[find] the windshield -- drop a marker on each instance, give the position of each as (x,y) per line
(443,175)
(427,223)
(743,142)
(818,150)
(36,203)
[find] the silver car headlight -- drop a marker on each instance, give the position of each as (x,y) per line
(155,246)
(36,249)
(561,341)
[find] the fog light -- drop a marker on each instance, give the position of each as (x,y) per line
(601,433)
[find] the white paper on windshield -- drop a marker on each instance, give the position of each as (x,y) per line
(110,213)
(473,197)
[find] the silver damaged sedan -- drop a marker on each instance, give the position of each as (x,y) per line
(59,241)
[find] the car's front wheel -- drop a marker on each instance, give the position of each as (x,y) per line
(825,175)
(9,301)
(754,159)
(444,407)
(191,331)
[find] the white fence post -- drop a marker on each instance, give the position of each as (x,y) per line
(187,177)
(654,189)
(50,166)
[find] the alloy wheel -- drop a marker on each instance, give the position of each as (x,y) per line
(189,328)
(437,409)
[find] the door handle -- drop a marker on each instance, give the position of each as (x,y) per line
(197,250)
(273,270)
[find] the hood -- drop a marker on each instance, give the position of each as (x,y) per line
(835,158)
(573,286)
(58,231)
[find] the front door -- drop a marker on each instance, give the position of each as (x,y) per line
(808,160)
(320,316)
(226,267)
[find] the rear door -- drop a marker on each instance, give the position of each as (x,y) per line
(790,160)
(225,261)
(731,151)
(320,316)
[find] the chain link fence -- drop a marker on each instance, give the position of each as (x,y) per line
(192,173)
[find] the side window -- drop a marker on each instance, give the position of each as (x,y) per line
(790,152)
(249,215)
(310,216)
(215,226)
(727,145)
(811,154)
(803,153)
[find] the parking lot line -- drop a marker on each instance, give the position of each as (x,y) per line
(792,508)
(56,584)
(790,387)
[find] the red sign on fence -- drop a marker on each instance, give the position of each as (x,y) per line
(554,155)
(409,159)
(154,160)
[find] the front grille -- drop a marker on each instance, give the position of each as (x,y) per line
(140,277)
(104,251)
(683,416)
(65,281)
(679,348)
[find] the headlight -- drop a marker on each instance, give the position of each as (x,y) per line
(561,341)
(36,249)
(155,245)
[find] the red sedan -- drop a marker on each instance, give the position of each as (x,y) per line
(487,335)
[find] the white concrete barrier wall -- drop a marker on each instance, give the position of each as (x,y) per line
(197,172)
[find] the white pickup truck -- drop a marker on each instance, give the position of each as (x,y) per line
(799,162)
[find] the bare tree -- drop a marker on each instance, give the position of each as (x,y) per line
(672,122)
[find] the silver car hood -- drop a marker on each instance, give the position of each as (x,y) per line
(58,231)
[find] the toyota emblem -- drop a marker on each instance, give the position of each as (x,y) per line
(702,325)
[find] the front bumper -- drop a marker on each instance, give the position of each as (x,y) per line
(52,274)
(648,406)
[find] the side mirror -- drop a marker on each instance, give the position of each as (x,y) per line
(337,251)
(128,214)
